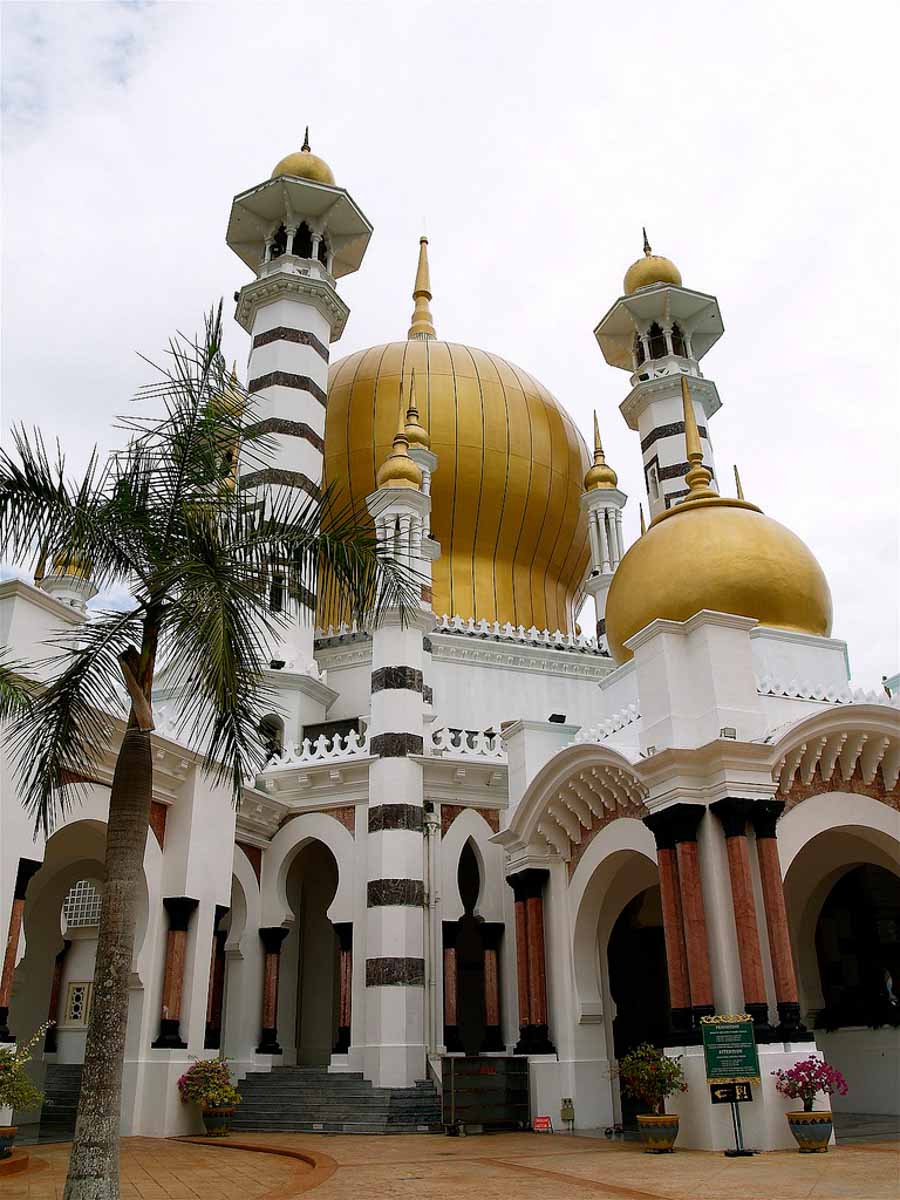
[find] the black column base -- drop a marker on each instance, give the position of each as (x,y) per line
(534,1039)
(342,1045)
(5,1035)
(452,1040)
(680,1029)
(213,1038)
(763,1032)
(493,1038)
(268,1042)
(790,1028)
(169,1036)
(50,1044)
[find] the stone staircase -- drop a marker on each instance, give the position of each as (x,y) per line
(61,1087)
(310,1100)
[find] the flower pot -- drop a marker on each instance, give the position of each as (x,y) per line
(812,1130)
(658,1132)
(7,1137)
(217,1121)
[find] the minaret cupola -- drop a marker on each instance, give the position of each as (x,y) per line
(659,330)
(603,503)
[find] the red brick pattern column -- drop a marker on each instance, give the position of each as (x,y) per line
(528,888)
(179,910)
(673,927)
(271,938)
(344,931)
(493,1033)
(764,816)
(733,813)
(452,1040)
(26,869)
(685,819)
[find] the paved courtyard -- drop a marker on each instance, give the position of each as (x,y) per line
(499,1167)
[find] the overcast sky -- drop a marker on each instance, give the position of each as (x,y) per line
(531,142)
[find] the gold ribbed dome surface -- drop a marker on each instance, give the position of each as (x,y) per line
(303,164)
(514,540)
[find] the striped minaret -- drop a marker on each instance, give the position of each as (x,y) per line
(298,232)
(395,890)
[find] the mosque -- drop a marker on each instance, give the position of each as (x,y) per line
(484,831)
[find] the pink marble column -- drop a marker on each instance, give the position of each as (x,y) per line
(344,931)
(179,910)
(271,939)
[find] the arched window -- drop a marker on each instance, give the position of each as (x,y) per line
(653,479)
(323,252)
(271,734)
(657,340)
(303,241)
(638,350)
(678,340)
(279,242)
(469,878)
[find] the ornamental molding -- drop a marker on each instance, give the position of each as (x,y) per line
(702,389)
(303,287)
(533,659)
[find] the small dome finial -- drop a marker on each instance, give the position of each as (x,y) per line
(303,164)
(422,321)
(416,433)
(643,522)
(698,477)
(600,475)
(737,483)
(647,248)
(307,147)
(398,469)
(650,269)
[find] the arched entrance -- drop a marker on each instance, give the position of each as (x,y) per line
(309,986)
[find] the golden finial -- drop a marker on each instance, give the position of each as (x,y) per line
(600,475)
(306,146)
(737,483)
(647,249)
(422,322)
(643,522)
(698,477)
(398,469)
(416,433)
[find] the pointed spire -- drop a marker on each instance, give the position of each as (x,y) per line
(306,146)
(647,249)
(600,475)
(643,522)
(737,483)
(422,322)
(398,469)
(698,477)
(416,433)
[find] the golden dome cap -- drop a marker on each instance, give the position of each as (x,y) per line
(416,433)
(652,268)
(398,469)
(601,474)
(711,552)
(303,164)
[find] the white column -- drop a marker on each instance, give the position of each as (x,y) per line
(604,541)
(595,542)
(620,542)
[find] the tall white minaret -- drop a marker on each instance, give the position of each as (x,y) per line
(658,330)
(298,232)
(603,503)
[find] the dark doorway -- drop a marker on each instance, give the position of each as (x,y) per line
(638,981)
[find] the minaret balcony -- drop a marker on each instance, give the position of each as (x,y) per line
(292,264)
(664,388)
(670,364)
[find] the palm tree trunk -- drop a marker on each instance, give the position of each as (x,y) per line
(94,1162)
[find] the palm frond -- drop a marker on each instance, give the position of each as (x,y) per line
(15,688)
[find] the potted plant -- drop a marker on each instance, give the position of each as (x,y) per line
(207,1082)
(649,1076)
(16,1089)
(803,1081)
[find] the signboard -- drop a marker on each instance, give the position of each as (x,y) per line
(542,1125)
(485,1091)
(730,1093)
(729,1049)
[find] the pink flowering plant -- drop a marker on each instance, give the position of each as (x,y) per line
(648,1075)
(208,1082)
(804,1080)
(16,1089)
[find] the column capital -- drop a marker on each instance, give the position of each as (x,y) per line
(733,812)
(528,884)
(272,937)
(764,815)
(179,909)
(677,823)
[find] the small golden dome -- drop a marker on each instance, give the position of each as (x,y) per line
(601,474)
(652,268)
(398,469)
(709,552)
(74,566)
(303,164)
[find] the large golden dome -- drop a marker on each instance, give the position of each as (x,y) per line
(505,495)
(709,552)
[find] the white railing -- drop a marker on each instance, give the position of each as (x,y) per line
(802,689)
(464,743)
(339,746)
(604,729)
(494,631)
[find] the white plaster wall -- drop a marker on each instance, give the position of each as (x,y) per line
(78,967)
(870,1061)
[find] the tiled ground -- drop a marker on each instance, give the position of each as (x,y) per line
(499,1167)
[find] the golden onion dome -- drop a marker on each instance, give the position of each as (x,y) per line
(710,552)
(416,433)
(303,164)
(601,474)
(652,268)
(398,469)
(510,466)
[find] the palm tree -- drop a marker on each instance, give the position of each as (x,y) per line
(165,519)
(15,694)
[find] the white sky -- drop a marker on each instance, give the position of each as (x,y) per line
(757,142)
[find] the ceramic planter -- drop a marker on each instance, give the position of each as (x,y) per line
(658,1132)
(7,1137)
(812,1130)
(217,1121)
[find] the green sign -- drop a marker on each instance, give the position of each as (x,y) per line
(729,1049)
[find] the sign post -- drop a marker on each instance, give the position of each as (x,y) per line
(732,1064)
